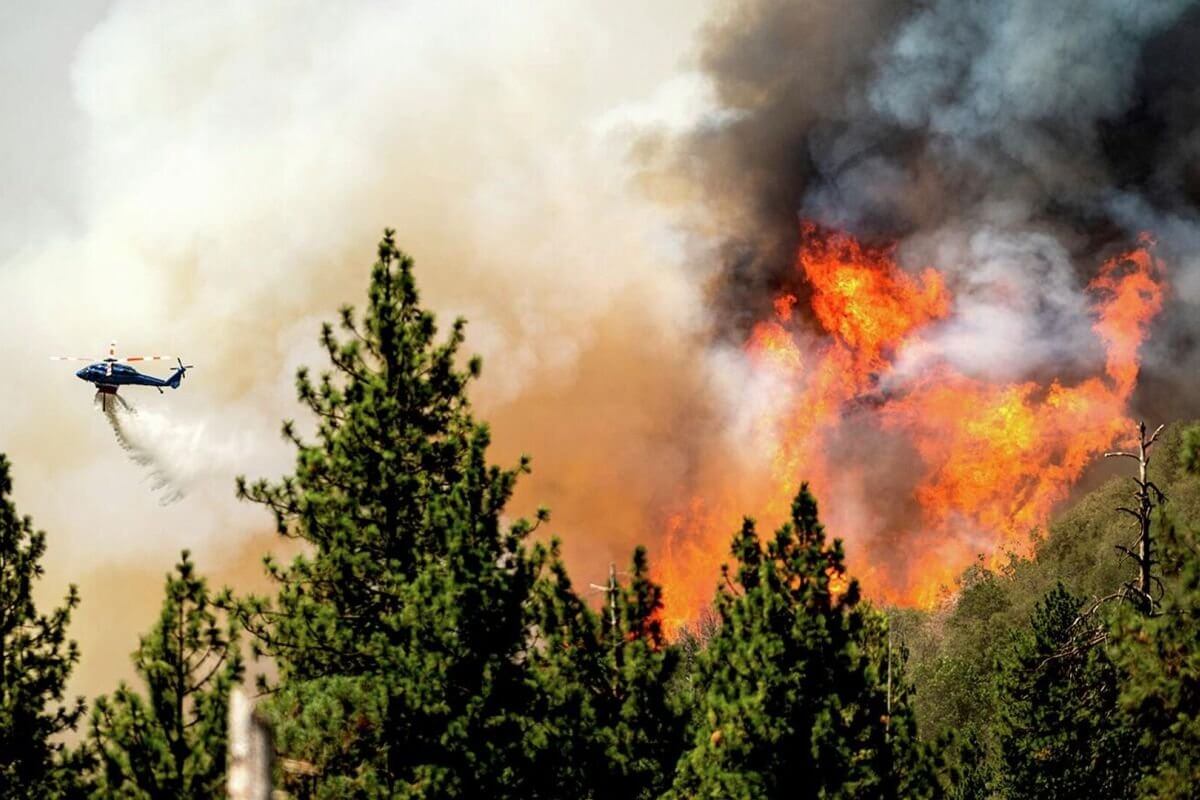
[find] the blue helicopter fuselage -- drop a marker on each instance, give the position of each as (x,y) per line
(125,375)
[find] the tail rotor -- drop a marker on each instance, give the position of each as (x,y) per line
(180,373)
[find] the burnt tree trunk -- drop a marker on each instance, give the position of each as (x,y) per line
(1147,496)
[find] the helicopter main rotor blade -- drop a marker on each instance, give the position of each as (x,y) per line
(147,358)
(74,358)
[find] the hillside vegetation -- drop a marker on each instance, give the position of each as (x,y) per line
(953,650)
(964,657)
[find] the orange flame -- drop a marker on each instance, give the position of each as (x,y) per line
(991,460)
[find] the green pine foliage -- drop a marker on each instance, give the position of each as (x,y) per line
(795,700)
(170,742)
(35,661)
(1059,726)
(611,722)
(401,639)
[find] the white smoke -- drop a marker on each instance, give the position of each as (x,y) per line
(1019,304)
(231,167)
(238,164)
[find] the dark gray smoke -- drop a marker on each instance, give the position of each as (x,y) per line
(1010,144)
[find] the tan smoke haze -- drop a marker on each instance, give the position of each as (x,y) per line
(209,179)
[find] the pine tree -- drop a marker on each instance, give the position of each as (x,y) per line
(170,742)
(796,697)
(35,661)
(1060,728)
(401,640)
(605,679)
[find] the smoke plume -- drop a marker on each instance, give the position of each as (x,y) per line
(1016,148)
(1021,138)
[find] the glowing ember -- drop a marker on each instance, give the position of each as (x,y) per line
(988,461)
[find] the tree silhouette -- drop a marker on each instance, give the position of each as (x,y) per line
(170,742)
(35,661)
(796,701)
(401,637)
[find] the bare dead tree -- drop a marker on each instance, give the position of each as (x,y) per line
(887,728)
(612,589)
(1142,588)
(1085,633)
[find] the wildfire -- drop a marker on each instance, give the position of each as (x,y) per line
(986,462)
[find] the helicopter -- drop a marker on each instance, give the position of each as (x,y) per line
(111,373)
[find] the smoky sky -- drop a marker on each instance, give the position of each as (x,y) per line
(209,179)
(608,192)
